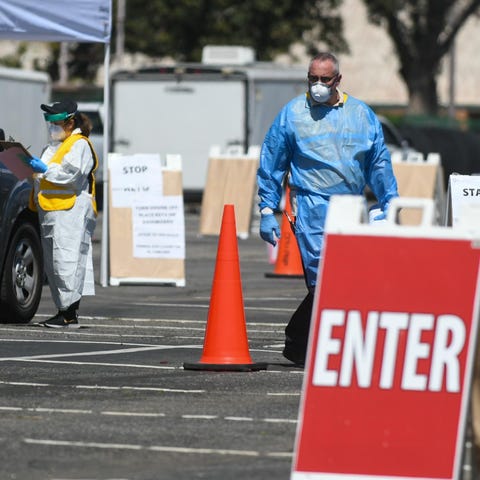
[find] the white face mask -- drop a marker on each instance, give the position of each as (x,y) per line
(320,92)
(57,133)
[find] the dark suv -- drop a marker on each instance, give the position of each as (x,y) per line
(21,260)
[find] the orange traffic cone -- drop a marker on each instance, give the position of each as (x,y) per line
(225,346)
(289,261)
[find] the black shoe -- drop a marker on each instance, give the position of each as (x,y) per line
(59,321)
(294,355)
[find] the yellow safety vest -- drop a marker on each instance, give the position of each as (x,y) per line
(52,196)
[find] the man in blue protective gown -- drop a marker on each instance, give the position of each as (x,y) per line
(325,143)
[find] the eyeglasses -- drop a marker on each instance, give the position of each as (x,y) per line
(316,78)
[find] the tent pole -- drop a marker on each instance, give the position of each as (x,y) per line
(106,145)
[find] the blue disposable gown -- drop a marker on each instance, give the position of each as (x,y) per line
(328,150)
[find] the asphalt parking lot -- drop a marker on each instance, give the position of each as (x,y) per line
(112,400)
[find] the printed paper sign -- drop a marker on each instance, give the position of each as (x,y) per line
(159,229)
(136,178)
(390,359)
(464,193)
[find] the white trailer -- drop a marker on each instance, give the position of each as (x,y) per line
(188,108)
(21,94)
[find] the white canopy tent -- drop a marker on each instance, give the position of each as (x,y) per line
(61,21)
(56,21)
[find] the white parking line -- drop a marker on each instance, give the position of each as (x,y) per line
(25,384)
(89,353)
(252,328)
(240,419)
(101,364)
(101,387)
(123,446)
(153,448)
(279,420)
(283,394)
(88,342)
(65,356)
(147,320)
(145,389)
(78,333)
(133,414)
(145,414)
(198,305)
(56,410)
(200,417)
(260,299)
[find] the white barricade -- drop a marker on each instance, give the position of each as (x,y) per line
(463,201)
(420,176)
(391,348)
(231,179)
(146,226)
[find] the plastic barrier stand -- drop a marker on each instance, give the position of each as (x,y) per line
(231,179)
(146,220)
(391,349)
(417,180)
(463,196)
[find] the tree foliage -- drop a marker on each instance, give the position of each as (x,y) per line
(84,59)
(422,32)
(180,28)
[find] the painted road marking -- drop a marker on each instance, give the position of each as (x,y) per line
(198,305)
(166,324)
(146,389)
(73,411)
(88,354)
(200,417)
(283,394)
(297,371)
(133,414)
(25,384)
(48,358)
(168,320)
(154,448)
(78,333)
(152,320)
(101,364)
(101,387)
(280,328)
(69,342)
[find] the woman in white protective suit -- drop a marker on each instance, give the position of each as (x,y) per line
(64,196)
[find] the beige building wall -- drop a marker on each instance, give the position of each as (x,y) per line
(370,71)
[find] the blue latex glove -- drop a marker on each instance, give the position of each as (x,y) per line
(383,215)
(37,165)
(269,226)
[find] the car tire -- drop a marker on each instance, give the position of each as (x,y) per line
(22,280)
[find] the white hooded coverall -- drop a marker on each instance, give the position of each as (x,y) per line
(66,234)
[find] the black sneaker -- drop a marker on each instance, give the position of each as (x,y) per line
(59,321)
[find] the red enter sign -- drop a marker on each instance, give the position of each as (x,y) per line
(390,359)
